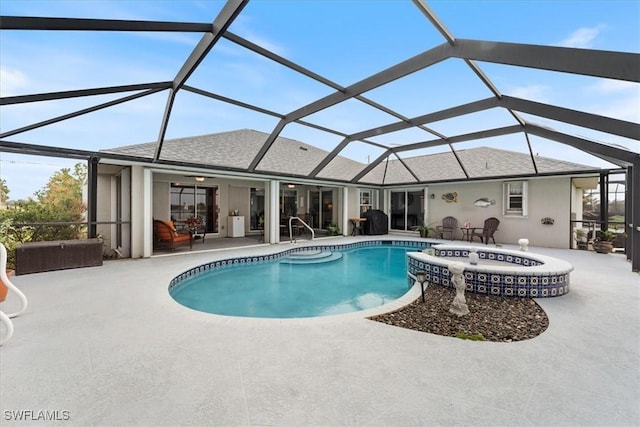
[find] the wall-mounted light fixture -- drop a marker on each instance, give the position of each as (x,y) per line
(199,178)
(291,185)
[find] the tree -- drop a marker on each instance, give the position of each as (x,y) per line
(63,193)
(4,192)
(60,200)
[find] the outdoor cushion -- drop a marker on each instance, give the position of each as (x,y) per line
(164,235)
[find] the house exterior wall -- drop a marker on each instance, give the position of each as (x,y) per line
(161,200)
(104,209)
(235,194)
(554,197)
(547,197)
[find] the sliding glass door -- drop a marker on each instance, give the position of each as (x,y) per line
(320,208)
(407,209)
(256,203)
(193,201)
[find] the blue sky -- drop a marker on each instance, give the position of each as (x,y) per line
(344,41)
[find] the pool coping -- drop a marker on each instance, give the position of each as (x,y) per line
(408,297)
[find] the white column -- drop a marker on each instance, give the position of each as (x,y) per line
(137,211)
(345,211)
(425,220)
(147,219)
(272,217)
(141,212)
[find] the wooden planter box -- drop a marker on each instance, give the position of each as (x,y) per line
(36,257)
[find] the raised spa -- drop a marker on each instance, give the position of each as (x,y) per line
(499,272)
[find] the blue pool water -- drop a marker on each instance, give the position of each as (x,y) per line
(363,278)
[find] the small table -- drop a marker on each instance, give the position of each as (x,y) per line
(466,233)
(198,232)
(357,228)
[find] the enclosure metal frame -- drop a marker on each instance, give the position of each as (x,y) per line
(606,64)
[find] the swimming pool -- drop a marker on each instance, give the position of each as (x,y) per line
(305,282)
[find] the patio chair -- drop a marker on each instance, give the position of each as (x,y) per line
(449,226)
(165,235)
(486,233)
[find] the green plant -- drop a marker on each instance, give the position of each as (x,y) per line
(8,239)
(333,229)
(607,236)
(471,337)
(426,231)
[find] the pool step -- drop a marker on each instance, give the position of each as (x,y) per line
(311,257)
(309,254)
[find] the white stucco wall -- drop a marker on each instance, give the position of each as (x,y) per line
(161,201)
(547,197)
(104,209)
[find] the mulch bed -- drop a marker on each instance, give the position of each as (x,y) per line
(491,318)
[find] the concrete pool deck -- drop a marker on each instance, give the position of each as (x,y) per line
(108,346)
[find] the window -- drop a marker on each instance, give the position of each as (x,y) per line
(367,200)
(515,198)
(189,201)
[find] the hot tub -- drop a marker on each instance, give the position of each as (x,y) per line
(499,272)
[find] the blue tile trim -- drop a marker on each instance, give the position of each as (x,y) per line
(512,284)
(486,254)
(232,262)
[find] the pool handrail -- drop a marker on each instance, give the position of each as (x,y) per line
(313,234)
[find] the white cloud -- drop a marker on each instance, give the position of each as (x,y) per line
(12,81)
(267,44)
(533,92)
(627,108)
(177,38)
(244,26)
(583,37)
(617,99)
(615,86)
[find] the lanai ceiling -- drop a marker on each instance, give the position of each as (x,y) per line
(298,70)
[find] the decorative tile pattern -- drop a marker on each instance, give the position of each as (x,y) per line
(487,254)
(519,282)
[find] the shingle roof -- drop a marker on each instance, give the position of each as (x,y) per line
(236,149)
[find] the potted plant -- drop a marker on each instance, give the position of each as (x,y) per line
(604,242)
(425,231)
(333,229)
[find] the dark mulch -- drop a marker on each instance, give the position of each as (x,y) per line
(495,318)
